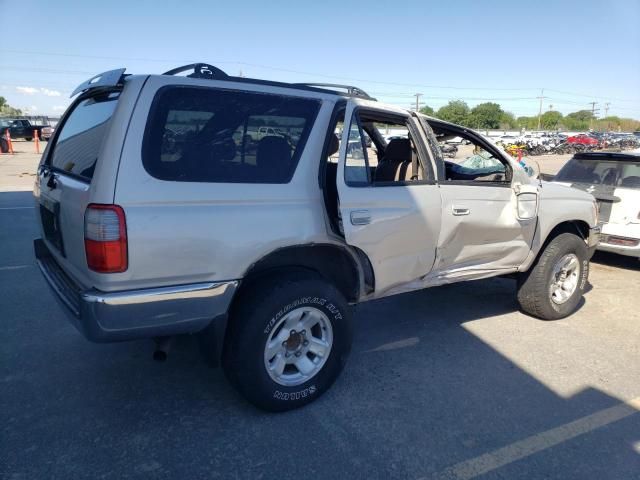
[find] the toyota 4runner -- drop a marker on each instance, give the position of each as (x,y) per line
(160,215)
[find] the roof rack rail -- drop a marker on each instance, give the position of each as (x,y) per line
(200,70)
(351,90)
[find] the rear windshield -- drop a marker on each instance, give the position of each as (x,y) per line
(617,173)
(205,135)
(80,137)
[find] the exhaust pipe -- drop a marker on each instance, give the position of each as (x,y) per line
(161,352)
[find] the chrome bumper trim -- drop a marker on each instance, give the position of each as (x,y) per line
(594,236)
(143,313)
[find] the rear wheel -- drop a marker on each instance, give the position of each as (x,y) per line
(287,341)
(28,139)
(553,287)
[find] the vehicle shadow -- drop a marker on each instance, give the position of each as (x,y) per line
(615,260)
(423,390)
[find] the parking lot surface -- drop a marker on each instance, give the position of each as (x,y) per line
(451,382)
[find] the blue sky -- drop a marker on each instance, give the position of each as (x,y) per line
(503,51)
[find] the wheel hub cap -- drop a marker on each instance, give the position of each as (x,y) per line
(298,346)
(564,278)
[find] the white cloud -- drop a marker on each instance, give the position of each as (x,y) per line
(50,93)
(27,90)
(33,91)
(59,108)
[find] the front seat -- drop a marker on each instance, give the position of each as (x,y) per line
(273,159)
(396,162)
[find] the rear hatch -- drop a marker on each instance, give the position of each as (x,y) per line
(612,178)
(66,181)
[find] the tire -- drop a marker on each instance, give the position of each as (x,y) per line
(28,139)
(4,146)
(266,312)
(535,293)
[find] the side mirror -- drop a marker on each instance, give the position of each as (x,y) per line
(527,197)
(527,205)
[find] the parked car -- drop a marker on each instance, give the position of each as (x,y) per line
(262,252)
(614,180)
(23,128)
(583,139)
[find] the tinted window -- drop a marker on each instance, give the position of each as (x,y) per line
(80,138)
(601,172)
(205,135)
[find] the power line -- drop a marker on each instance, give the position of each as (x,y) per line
(269,67)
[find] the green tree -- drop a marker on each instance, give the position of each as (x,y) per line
(427,110)
(456,111)
(579,120)
(486,115)
(550,120)
(6,109)
(507,120)
(529,123)
(581,115)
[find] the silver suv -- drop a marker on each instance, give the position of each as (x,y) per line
(167,208)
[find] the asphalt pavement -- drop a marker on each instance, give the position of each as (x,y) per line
(450,382)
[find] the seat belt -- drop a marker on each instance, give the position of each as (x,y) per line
(414,164)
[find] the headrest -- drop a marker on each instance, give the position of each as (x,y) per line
(223,149)
(398,150)
(273,149)
(334,145)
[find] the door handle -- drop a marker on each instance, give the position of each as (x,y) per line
(460,210)
(360,217)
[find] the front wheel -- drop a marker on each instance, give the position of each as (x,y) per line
(288,339)
(554,285)
(28,139)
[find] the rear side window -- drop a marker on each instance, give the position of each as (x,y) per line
(205,135)
(80,138)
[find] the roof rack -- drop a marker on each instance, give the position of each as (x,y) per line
(350,89)
(200,70)
(206,71)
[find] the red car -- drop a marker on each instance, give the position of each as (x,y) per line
(582,139)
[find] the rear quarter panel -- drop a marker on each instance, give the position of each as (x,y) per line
(184,232)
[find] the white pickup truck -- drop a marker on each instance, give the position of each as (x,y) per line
(157,219)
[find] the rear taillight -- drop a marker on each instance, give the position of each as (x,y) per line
(105,238)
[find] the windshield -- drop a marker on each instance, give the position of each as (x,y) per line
(618,173)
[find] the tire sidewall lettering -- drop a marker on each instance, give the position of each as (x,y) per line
(585,274)
(310,301)
(293,396)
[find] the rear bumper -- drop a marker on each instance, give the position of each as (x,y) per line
(628,250)
(132,314)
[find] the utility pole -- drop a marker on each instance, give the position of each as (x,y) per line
(417,95)
(594,110)
(606,109)
(541,97)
